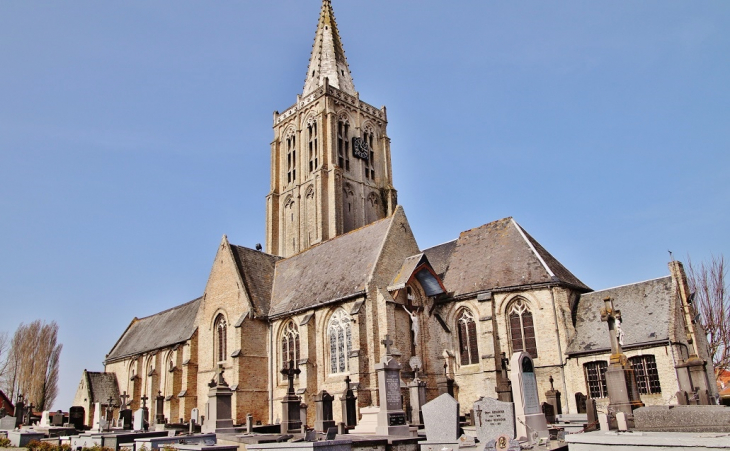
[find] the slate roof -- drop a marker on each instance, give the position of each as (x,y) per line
(163,329)
(102,386)
(645,311)
(257,270)
(497,255)
(336,269)
(440,256)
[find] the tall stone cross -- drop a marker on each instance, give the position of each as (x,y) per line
(144,399)
(124,396)
(387,343)
(290,372)
(610,315)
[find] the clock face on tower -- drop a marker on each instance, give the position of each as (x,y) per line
(360,148)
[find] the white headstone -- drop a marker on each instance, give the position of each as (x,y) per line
(441,419)
(528,414)
(96,423)
(603,421)
(494,418)
(138,423)
(195,415)
(621,422)
(45,419)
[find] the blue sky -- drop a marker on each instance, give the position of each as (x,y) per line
(134,134)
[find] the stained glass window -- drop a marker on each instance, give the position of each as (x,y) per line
(290,345)
(340,337)
(221,331)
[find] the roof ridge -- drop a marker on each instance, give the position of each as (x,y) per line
(669,276)
(532,248)
(440,244)
(170,309)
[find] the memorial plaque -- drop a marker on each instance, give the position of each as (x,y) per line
(392,390)
(396,419)
(532,402)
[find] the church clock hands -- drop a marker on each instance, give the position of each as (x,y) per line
(360,148)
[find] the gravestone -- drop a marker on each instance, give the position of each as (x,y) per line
(441,419)
(138,423)
(45,419)
(310,436)
(76,416)
(549,411)
(349,405)
(291,404)
(195,415)
(96,421)
(19,411)
(552,396)
(494,418)
(57,418)
(323,411)
(331,434)
(504,387)
(160,408)
(682,398)
(528,414)
(125,419)
(7,423)
(580,402)
(417,389)
(623,392)
(592,415)
(391,417)
(219,414)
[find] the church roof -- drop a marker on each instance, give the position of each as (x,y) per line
(328,56)
(645,315)
(102,386)
(497,255)
(257,271)
(336,269)
(160,330)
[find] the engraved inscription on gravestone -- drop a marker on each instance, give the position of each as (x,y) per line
(392,390)
(494,418)
(532,403)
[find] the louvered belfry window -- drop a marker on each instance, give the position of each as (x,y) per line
(290,345)
(468,348)
(522,329)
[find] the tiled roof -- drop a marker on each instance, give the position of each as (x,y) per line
(257,270)
(102,386)
(499,255)
(645,311)
(163,329)
(440,256)
(336,269)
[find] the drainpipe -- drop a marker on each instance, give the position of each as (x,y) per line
(560,350)
(271,377)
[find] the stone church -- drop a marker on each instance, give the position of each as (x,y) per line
(342,269)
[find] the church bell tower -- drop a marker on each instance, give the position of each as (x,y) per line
(330,158)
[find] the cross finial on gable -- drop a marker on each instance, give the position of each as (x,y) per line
(387,343)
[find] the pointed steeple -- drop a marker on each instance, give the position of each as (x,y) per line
(328,56)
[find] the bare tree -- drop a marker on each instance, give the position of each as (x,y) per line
(712,304)
(32,364)
(4,346)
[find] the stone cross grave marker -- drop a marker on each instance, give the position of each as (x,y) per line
(391,417)
(349,405)
(441,419)
(291,404)
(528,413)
(494,418)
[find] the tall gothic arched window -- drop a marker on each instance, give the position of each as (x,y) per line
(521,328)
(221,335)
(343,144)
(290,345)
(313,150)
(291,158)
(340,337)
(468,346)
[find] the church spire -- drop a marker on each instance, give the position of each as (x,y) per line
(328,56)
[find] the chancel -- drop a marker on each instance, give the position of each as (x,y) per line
(341,274)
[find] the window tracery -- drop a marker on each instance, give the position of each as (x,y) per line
(340,339)
(313,145)
(468,346)
(291,157)
(343,143)
(521,328)
(221,335)
(290,345)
